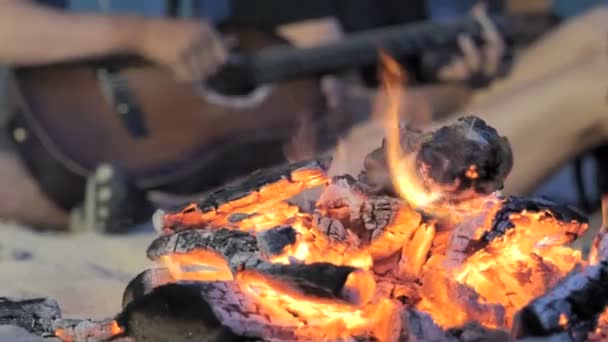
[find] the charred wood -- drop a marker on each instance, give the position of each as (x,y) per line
(474,332)
(174,312)
(418,326)
(87,330)
(513,205)
(572,306)
(462,242)
(343,191)
(323,280)
(245,191)
(144,283)
(219,311)
(468,155)
(273,241)
(388,224)
(240,252)
(573,224)
(239,249)
(461,160)
(34,315)
(378,212)
(334,229)
(343,200)
(254,182)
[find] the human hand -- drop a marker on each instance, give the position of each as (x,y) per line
(478,65)
(192,49)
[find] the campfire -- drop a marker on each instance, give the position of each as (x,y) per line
(420,246)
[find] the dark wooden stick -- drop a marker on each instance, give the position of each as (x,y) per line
(572,306)
(34,315)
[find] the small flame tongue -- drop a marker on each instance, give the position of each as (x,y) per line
(402,167)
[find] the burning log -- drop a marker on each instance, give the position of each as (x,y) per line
(572,306)
(459,160)
(516,205)
(235,204)
(547,223)
(220,247)
(247,310)
(323,280)
(228,251)
(34,315)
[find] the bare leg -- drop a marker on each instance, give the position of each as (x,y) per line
(22,200)
(550,121)
(565,46)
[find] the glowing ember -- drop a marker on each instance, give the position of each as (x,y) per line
(262,209)
(487,285)
(312,246)
(601,331)
(523,264)
(100,332)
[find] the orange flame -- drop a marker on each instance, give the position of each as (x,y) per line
(402,168)
(326,319)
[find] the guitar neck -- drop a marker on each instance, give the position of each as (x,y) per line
(281,63)
(285,62)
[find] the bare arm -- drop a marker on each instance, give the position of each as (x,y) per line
(31,33)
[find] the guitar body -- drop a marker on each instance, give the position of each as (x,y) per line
(190,133)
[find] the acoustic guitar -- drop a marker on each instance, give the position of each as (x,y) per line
(182,138)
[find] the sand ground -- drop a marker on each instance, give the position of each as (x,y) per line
(86,273)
